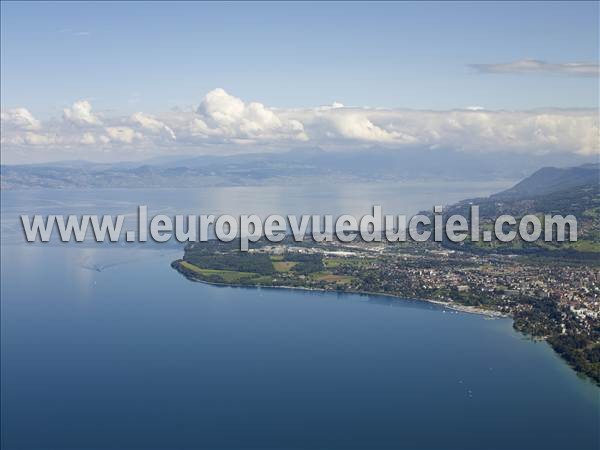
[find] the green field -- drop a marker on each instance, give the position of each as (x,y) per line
(225,276)
(283,266)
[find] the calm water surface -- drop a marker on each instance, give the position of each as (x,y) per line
(108,347)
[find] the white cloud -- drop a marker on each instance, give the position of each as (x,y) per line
(80,113)
(125,135)
(19,118)
(559,131)
(226,116)
(536,66)
(223,122)
(356,125)
(88,139)
(40,139)
(150,123)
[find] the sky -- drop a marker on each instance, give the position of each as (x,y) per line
(114,80)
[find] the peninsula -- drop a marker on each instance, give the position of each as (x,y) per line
(551,291)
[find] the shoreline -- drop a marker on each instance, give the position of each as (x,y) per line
(487,313)
(492,314)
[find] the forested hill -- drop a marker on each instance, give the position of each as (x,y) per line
(574,190)
(550,180)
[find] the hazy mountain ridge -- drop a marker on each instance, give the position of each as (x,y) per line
(550,190)
(551,179)
(374,164)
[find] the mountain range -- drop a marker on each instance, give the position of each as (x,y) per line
(299,165)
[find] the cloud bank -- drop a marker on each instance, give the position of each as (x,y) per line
(525,66)
(224,123)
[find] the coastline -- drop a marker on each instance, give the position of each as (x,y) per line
(487,313)
(492,314)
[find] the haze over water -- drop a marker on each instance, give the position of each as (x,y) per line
(107,346)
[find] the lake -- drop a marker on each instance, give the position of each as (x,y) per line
(106,346)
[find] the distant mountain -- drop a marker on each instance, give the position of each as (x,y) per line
(300,165)
(551,179)
(568,191)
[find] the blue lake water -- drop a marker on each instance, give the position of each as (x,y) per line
(136,356)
